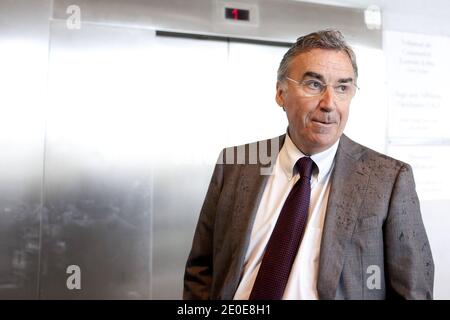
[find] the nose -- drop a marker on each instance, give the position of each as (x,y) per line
(327,101)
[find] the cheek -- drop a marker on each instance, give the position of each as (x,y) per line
(344,113)
(300,111)
(298,118)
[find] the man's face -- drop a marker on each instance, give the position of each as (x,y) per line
(316,122)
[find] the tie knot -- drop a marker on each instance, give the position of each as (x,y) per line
(305,167)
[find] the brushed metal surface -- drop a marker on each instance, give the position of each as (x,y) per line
(98,181)
(23,65)
(278,20)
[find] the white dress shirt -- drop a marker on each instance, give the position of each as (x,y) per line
(302,283)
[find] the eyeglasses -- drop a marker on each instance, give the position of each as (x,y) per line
(314,88)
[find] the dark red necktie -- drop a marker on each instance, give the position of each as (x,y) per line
(284,242)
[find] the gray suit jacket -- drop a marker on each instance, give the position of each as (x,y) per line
(374,244)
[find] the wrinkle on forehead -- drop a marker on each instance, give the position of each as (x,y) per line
(328,63)
(333,65)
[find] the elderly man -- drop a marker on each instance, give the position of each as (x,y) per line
(332,220)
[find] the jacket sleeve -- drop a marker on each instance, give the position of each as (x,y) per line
(409,263)
(199,266)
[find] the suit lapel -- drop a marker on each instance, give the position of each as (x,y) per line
(250,190)
(348,188)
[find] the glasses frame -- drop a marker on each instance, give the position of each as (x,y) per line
(325,85)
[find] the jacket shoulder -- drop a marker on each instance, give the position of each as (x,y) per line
(370,157)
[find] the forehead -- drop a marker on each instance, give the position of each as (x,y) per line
(329,63)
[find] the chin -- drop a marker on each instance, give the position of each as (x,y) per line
(322,139)
(324,143)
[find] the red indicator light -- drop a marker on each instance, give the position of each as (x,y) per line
(237,14)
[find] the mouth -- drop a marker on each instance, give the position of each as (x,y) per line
(324,123)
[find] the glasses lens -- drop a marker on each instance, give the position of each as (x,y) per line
(344,91)
(313,87)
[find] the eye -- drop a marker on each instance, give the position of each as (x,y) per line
(314,85)
(342,88)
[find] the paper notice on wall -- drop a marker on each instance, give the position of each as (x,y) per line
(419,108)
(418,90)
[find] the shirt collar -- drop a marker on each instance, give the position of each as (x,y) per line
(289,155)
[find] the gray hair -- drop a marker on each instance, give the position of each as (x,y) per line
(325,39)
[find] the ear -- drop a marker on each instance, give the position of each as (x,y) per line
(281,91)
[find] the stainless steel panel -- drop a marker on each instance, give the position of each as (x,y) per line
(23,65)
(278,20)
(187,100)
(98,181)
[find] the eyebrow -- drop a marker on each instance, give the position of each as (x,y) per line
(320,77)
